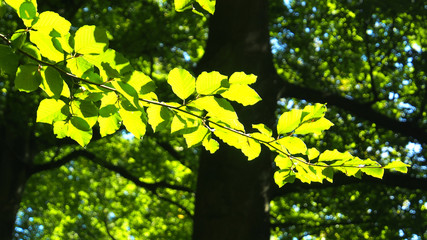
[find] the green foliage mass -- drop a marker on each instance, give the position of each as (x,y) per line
(105,89)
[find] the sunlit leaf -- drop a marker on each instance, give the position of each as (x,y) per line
(208,5)
(194,136)
(293,144)
(135,120)
(242,94)
(90,40)
(242,78)
(182,83)
(158,117)
(210,144)
(51,110)
(397,166)
(211,83)
(289,121)
(314,127)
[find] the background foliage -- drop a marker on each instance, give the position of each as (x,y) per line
(375,56)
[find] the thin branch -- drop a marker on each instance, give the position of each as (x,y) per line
(371,67)
(107,229)
(176,204)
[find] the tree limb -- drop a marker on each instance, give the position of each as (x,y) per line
(365,111)
(152,187)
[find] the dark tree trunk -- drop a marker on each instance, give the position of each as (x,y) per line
(12,178)
(233,194)
(18,147)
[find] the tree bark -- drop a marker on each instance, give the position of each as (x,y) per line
(233,194)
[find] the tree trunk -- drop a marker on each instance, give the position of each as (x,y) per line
(233,194)
(12,178)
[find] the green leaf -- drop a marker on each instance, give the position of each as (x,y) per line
(109,119)
(127,91)
(284,176)
(78,66)
(211,83)
(377,172)
(80,131)
(210,144)
(289,121)
(27,10)
(293,144)
(158,117)
(90,40)
(216,107)
(398,166)
(242,94)
(251,149)
(60,129)
(182,5)
(242,78)
(263,129)
(8,60)
(33,51)
(111,64)
(51,110)
(283,162)
(45,44)
(194,136)
(28,78)
(85,110)
(18,39)
(182,83)
(143,85)
(53,84)
(314,127)
(208,5)
(313,112)
(334,155)
(180,122)
(52,20)
(135,120)
(312,153)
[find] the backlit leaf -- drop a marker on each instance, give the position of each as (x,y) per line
(397,166)
(293,144)
(182,83)
(314,127)
(288,121)
(211,83)
(194,136)
(90,40)
(135,120)
(210,144)
(158,117)
(51,110)
(242,94)
(242,78)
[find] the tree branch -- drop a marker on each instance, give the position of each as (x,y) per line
(58,163)
(362,110)
(390,179)
(152,187)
